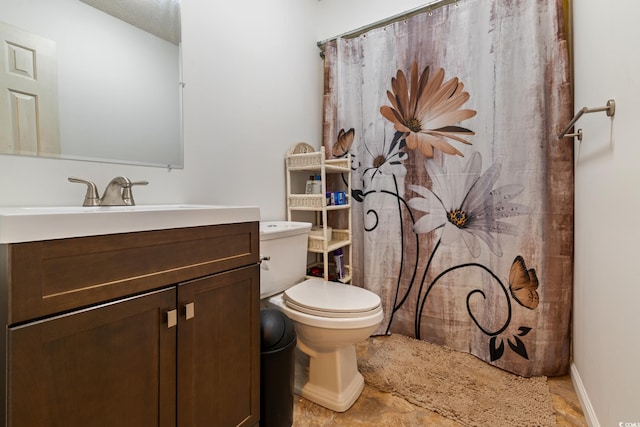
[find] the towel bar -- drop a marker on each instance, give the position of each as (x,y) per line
(610,108)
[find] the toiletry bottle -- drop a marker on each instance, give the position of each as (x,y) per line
(310,186)
(338,258)
(316,184)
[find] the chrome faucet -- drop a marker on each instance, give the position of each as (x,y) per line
(114,193)
(117,193)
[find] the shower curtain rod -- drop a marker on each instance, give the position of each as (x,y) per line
(390,20)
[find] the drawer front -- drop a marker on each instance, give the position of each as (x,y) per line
(53,276)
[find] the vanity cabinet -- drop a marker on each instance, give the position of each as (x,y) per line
(154,328)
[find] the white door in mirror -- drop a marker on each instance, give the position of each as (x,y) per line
(28,93)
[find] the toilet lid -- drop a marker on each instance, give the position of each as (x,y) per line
(331,299)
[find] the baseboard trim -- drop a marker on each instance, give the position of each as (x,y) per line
(587,409)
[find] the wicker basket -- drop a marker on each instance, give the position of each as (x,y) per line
(341,235)
(315,160)
(306,201)
(304,160)
(339,163)
(318,231)
(316,243)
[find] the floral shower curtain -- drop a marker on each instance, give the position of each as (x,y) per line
(462,194)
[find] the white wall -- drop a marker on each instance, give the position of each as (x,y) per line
(606,283)
(336,17)
(253,78)
(253,89)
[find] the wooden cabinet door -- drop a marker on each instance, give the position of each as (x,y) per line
(219,350)
(111,365)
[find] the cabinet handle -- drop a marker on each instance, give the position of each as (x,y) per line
(189,311)
(172,318)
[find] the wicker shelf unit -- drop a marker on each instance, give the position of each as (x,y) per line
(332,222)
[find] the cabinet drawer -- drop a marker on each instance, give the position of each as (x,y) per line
(53,276)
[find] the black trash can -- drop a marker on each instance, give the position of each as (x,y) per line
(277,363)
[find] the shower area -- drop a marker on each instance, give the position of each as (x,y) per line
(462,190)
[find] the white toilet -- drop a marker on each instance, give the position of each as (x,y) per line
(329,317)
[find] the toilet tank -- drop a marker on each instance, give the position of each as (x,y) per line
(284,243)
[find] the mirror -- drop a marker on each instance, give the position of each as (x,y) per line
(114,91)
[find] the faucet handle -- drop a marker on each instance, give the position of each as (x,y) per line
(91,198)
(127,194)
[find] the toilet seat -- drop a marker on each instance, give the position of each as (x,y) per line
(330,299)
(277,302)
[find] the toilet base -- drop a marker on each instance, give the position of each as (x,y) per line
(330,379)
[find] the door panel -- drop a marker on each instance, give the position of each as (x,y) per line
(112,365)
(219,350)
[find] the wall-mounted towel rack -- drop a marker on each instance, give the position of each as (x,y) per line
(610,108)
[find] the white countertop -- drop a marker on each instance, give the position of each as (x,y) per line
(26,224)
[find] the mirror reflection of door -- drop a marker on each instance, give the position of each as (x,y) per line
(28,93)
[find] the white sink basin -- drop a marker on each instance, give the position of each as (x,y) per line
(26,224)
